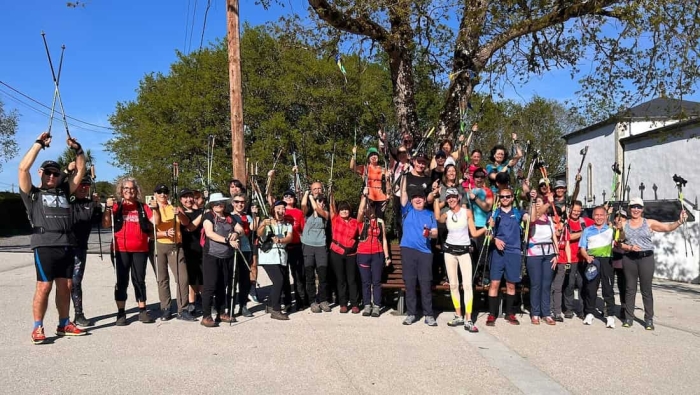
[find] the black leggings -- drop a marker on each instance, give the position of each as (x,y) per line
(134,262)
(243,276)
(277,273)
(214,275)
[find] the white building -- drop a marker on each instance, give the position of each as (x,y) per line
(655,140)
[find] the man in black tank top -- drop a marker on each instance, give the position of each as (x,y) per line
(52,237)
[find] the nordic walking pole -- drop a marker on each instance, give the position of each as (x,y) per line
(57,92)
(233,286)
(57,80)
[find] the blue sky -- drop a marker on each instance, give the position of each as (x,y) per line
(110,46)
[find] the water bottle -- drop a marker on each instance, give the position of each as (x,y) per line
(426,231)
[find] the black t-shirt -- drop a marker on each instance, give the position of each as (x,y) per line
(191,240)
(435,174)
(416,184)
(85,214)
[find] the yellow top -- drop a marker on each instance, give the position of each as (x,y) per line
(167,214)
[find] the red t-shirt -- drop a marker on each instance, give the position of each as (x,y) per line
(295,217)
(574,227)
(371,245)
(344,232)
(130,237)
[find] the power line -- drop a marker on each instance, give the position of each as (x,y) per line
(48,108)
(48,115)
(194,15)
(204,25)
(187,23)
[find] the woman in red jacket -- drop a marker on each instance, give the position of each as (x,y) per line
(372,256)
(131,223)
(343,255)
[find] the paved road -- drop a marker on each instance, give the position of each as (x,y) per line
(331,353)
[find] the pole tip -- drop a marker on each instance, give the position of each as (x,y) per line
(63,46)
(42,33)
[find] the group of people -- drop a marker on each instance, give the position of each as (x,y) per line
(456,221)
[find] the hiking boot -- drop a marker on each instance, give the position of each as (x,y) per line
(410,319)
(121,320)
(286,309)
(225,318)
(245,312)
(315,308)
(144,317)
(185,316)
(376,311)
(367,311)
(491,320)
(325,306)
(610,322)
(558,318)
(38,336)
(470,327)
(588,320)
(649,325)
(165,315)
(430,321)
(355,310)
(81,320)
(208,322)
(278,315)
(512,319)
(569,314)
(69,330)
(190,308)
(627,324)
(343,309)
(456,321)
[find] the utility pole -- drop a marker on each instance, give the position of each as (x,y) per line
(236,94)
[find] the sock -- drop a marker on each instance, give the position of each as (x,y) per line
(493,305)
(121,312)
(38,323)
(510,302)
(63,321)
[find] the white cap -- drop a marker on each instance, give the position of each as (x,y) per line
(636,201)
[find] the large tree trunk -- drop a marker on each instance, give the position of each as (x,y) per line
(404,91)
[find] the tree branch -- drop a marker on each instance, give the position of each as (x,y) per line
(361,26)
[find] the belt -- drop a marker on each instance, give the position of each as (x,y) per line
(639,254)
(39,230)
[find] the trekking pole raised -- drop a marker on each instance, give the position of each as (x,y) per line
(99,223)
(680,183)
(56,80)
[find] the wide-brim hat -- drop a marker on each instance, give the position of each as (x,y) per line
(216,197)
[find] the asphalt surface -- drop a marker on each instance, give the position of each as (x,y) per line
(333,353)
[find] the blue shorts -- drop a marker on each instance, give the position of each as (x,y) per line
(505,263)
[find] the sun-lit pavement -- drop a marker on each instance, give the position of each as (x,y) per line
(339,353)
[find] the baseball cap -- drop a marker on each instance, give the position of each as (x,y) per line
(622,213)
(421,158)
(441,154)
(372,151)
(185,191)
(279,203)
(51,164)
(161,187)
(592,269)
(452,192)
(542,181)
(560,184)
(417,193)
(636,202)
(290,193)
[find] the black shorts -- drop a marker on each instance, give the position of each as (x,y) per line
(53,262)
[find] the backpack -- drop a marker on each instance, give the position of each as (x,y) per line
(203,234)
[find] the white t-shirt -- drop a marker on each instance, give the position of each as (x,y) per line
(277,255)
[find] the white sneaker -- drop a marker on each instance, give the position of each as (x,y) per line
(610,323)
(588,320)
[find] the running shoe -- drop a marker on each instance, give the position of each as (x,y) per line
(491,320)
(627,324)
(80,320)
(456,321)
(69,330)
(325,306)
(246,313)
(558,318)
(253,295)
(430,321)
(315,308)
(610,322)
(144,317)
(278,315)
(470,327)
(649,325)
(549,321)
(121,320)
(376,311)
(355,310)
(38,335)
(512,319)
(367,311)
(569,314)
(343,309)
(535,320)
(410,319)
(185,316)
(588,320)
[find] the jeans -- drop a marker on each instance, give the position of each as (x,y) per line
(641,269)
(345,270)
(371,267)
(539,268)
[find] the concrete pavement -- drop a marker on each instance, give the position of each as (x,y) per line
(333,353)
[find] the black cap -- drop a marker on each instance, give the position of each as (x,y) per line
(279,203)
(420,157)
(185,191)
(441,154)
(290,193)
(418,192)
(161,187)
(50,163)
(480,171)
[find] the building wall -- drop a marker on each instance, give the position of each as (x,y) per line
(601,151)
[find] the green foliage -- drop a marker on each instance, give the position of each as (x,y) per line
(8,129)
(104,189)
(68,156)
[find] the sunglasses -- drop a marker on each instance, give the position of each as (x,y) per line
(636,206)
(505,196)
(218,203)
(238,201)
(50,173)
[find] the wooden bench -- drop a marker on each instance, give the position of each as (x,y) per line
(393,281)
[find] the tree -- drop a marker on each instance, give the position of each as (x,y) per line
(634,49)
(68,156)
(8,129)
